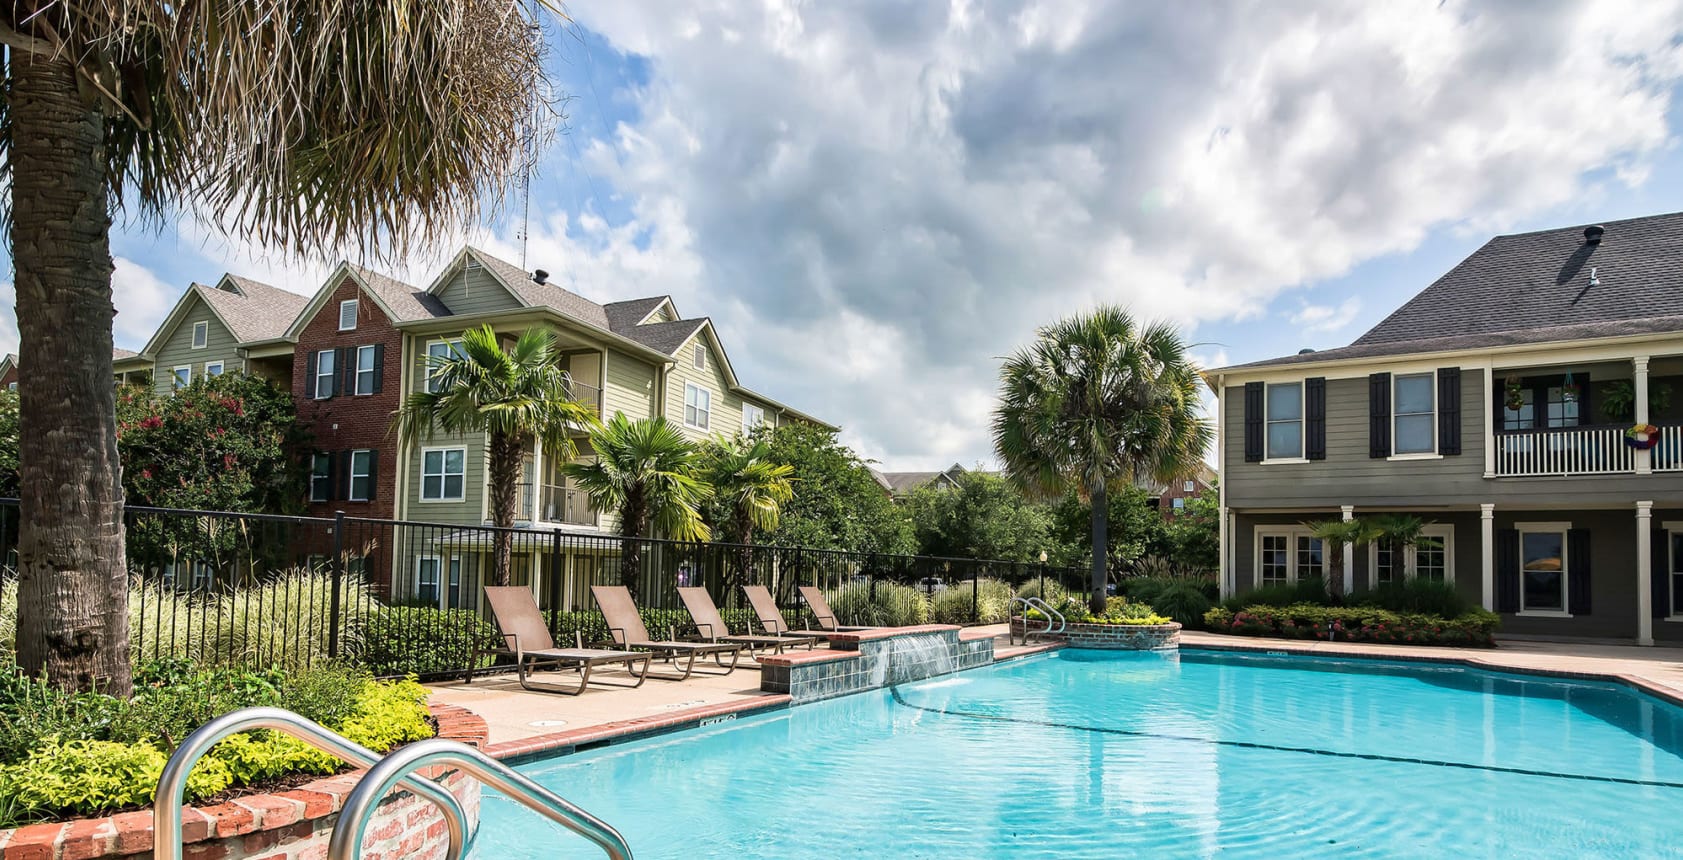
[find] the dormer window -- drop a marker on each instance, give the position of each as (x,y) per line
(347,314)
(201,334)
(700,358)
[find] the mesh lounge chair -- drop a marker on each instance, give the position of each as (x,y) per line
(827,622)
(626,626)
(771,619)
(712,627)
(522,627)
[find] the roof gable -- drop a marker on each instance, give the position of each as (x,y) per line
(252,310)
(397,300)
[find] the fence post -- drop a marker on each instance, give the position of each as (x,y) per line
(975,595)
(555,584)
(338,568)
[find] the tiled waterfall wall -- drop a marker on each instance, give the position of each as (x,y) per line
(869,659)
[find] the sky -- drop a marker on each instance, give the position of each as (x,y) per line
(876,202)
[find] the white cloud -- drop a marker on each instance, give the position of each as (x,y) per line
(8,320)
(1326,318)
(142,300)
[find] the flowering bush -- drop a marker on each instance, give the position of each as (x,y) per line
(1476,627)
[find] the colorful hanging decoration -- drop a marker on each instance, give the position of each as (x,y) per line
(1642,436)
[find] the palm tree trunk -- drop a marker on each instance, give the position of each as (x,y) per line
(73,623)
(505,480)
(631,550)
(1101,547)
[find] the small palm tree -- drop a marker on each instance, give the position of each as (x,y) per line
(752,488)
(1096,402)
(1333,535)
(1400,531)
(513,396)
(648,473)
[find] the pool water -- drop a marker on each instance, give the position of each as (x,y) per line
(1092,754)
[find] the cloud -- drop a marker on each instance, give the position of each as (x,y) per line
(1326,318)
(142,300)
(874,205)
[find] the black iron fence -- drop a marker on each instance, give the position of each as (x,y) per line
(403,597)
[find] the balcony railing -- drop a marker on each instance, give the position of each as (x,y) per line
(1566,451)
(566,505)
(589,395)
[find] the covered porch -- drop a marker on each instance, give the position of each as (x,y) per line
(1582,418)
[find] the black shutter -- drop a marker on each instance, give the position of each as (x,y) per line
(1449,410)
(1507,570)
(379,367)
(1660,574)
(373,471)
(347,369)
(343,488)
(1315,414)
(310,375)
(1253,422)
(1379,415)
(1578,571)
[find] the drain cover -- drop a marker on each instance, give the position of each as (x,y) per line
(546,724)
(690,704)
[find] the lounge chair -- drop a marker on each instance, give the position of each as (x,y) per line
(528,639)
(771,618)
(626,626)
(827,622)
(712,626)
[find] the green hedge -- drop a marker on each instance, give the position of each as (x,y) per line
(1475,628)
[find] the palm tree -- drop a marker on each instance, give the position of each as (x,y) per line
(513,396)
(1397,532)
(1333,535)
(302,126)
(751,487)
(1096,402)
(648,473)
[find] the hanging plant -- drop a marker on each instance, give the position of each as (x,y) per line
(1569,390)
(1515,395)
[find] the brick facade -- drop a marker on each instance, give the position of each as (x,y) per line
(1177,490)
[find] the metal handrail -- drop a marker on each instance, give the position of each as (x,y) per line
(353,817)
(172,784)
(1044,607)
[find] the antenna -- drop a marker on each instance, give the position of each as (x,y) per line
(526,158)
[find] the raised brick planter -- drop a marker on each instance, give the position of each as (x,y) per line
(1111,637)
(287,825)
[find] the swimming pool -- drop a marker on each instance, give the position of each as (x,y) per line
(1090,754)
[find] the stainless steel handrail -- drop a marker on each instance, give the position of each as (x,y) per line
(1045,608)
(353,818)
(172,784)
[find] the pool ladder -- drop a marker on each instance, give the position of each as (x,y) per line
(384,773)
(1054,618)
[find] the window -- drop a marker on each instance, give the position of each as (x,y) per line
(183,377)
(1288,554)
(201,334)
(213,368)
(321,477)
(1179,504)
(347,315)
(443,474)
(1387,560)
(1310,561)
(1285,421)
(1274,561)
(1414,429)
(362,476)
(427,570)
(1523,418)
(325,360)
(700,357)
(1189,487)
(1542,554)
(1562,410)
(438,351)
(11,386)
(365,370)
(1675,574)
(752,416)
(698,403)
(1432,556)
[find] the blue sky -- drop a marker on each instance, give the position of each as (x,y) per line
(874,201)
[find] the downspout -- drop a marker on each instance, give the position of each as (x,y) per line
(1223,534)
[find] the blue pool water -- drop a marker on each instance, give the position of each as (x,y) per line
(1089,754)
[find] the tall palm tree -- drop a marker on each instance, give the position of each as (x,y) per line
(649,474)
(302,126)
(1096,402)
(752,489)
(513,396)
(1334,534)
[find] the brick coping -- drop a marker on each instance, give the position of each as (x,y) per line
(874,633)
(797,658)
(129,833)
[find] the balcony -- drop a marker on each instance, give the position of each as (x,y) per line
(1587,450)
(567,505)
(589,395)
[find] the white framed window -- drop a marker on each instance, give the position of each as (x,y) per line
(443,474)
(1287,554)
(1178,504)
(326,361)
(365,370)
(1431,557)
(1188,486)
(698,406)
(201,334)
(752,416)
(361,486)
(699,357)
(1414,425)
(11,386)
(1673,572)
(429,570)
(213,368)
(1285,421)
(1543,568)
(437,351)
(347,314)
(321,477)
(183,376)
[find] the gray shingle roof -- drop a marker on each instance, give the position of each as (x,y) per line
(257,312)
(667,336)
(545,295)
(627,314)
(406,302)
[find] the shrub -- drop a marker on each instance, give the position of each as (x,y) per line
(33,710)
(1184,601)
(414,640)
(85,777)
(879,604)
(1421,596)
(988,601)
(283,623)
(174,697)
(8,620)
(1307,590)
(1475,627)
(1054,592)
(327,694)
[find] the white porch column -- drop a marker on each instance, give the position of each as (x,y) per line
(1490,421)
(1224,536)
(1487,560)
(1349,512)
(1644,459)
(1644,565)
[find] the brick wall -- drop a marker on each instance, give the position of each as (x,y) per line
(1177,490)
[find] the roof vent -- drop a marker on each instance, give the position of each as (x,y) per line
(1305,351)
(539,276)
(1592,234)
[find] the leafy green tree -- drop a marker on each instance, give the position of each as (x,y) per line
(836,503)
(649,474)
(983,517)
(8,446)
(298,126)
(513,396)
(1095,403)
(749,491)
(1134,525)
(1194,532)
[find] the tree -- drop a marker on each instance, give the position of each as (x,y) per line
(513,396)
(983,517)
(1333,535)
(1096,402)
(1134,529)
(300,126)
(649,474)
(836,504)
(1194,533)
(749,491)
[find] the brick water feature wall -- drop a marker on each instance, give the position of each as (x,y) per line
(870,659)
(1109,637)
(285,825)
